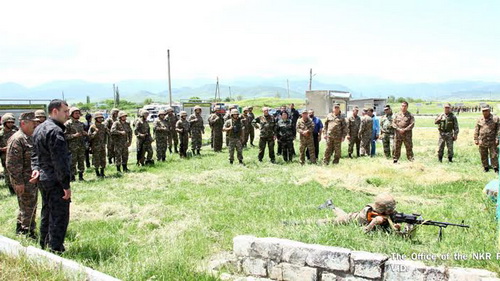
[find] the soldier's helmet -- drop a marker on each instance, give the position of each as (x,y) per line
(144,113)
(122,113)
(245,108)
(8,117)
(162,112)
(234,111)
(250,108)
(169,109)
(40,113)
(196,107)
(384,203)
(73,110)
(114,110)
(183,113)
(98,115)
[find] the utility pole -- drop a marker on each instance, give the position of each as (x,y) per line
(63,95)
(169,81)
(217,91)
(310,78)
(288,87)
(230,93)
(114,95)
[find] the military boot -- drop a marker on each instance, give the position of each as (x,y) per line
(80,176)
(118,169)
(198,152)
(440,158)
(110,160)
(350,155)
(102,173)
(175,149)
(170,150)
(241,163)
(72,178)
(18,228)
(231,162)
(97,172)
(450,159)
(125,169)
(193,151)
(486,169)
(496,170)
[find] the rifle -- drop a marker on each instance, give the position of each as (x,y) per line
(416,219)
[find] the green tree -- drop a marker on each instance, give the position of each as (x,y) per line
(194,99)
(148,101)
(277,95)
(88,99)
(239,97)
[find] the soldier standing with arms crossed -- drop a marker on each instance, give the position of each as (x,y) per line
(234,128)
(305,128)
(75,134)
(144,140)
(160,134)
(335,131)
(448,132)
(50,163)
(266,124)
(197,130)
(18,164)
(99,137)
(486,136)
(182,127)
(353,124)
(216,122)
(403,124)
(121,134)
(387,130)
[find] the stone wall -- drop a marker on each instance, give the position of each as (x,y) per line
(281,259)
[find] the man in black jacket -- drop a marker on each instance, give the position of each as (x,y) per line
(50,163)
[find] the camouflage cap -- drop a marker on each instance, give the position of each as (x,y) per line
(384,203)
(183,113)
(40,113)
(336,104)
(28,116)
(234,111)
(169,109)
(162,112)
(122,113)
(387,107)
(98,115)
(8,117)
(114,110)
(144,113)
(73,110)
(447,105)
(356,107)
(486,107)
(250,108)
(245,108)
(197,107)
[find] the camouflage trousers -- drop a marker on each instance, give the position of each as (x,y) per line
(355,140)
(121,154)
(333,146)
(196,139)
(365,143)
(27,208)
(111,149)
(251,134)
(217,139)
(172,138)
(287,149)
(399,139)
(244,137)
(269,142)
(55,216)
(307,143)
(386,142)
(144,151)
(445,139)
(489,153)
(77,158)
(6,176)
(99,156)
(161,147)
(184,143)
(235,143)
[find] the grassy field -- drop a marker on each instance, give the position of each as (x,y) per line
(164,222)
(25,269)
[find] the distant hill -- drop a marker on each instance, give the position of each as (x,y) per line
(139,90)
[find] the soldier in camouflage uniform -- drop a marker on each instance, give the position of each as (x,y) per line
(98,136)
(109,123)
(144,140)
(18,164)
(403,124)
(197,130)
(266,124)
(247,124)
(40,115)
(448,132)
(172,139)
(7,131)
(160,133)
(387,130)
(121,134)
(305,128)
(285,135)
(353,124)
(486,136)
(216,122)
(227,116)
(182,128)
(366,131)
(75,134)
(234,129)
(251,130)
(334,131)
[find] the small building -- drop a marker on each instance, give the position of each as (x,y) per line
(321,101)
(375,103)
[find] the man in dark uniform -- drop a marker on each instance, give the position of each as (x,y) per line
(50,162)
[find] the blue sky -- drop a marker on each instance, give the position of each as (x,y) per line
(110,41)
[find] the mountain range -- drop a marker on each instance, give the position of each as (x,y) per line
(360,87)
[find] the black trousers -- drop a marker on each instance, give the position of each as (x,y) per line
(316,146)
(55,216)
(262,147)
(287,150)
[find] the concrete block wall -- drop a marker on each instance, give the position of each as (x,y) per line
(287,260)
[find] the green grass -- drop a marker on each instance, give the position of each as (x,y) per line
(437,107)
(164,222)
(22,268)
